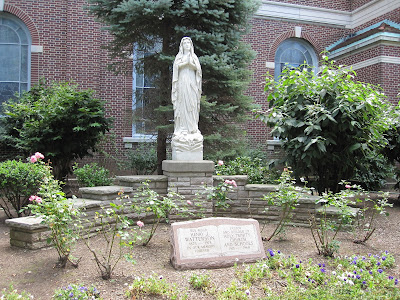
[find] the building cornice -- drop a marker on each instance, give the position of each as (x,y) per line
(376,60)
(383,38)
(328,17)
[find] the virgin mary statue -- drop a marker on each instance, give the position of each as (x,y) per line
(187,140)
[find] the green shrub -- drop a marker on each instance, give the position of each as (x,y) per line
(373,171)
(327,122)
(18,181)
(254,168)
(92,175)
(58,120)
(142,160)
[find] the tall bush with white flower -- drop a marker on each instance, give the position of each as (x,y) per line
(328,123)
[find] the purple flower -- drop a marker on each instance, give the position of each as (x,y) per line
(279,252)
(383,257)
(358,276)
(355,272)
(390,277)
(71,294)
(247,292)
(380,271)
(297,266)
(396,281)
(322,270)
(370,272)
(271,252)
(378,263)
(364,282)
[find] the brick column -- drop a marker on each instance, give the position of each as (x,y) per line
(188,178)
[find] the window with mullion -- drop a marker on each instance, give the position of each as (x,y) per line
(293,53)
(14,56)
(143,93)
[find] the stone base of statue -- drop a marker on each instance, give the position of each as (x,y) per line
(187,146)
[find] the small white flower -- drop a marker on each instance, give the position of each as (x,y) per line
(350,282)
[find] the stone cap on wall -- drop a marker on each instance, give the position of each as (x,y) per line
(142,178)
(182,166)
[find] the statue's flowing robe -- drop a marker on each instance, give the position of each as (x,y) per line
(186,93)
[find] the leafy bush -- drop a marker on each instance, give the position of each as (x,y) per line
(18,181)
(92,175)
(373,171)
(114,229)
(327,122)
(147,202)
(58,120)
(58,214)
(325,229)
(75,291)
(142,160)
(392,150)
(286,197)
(254,168)
(218,195)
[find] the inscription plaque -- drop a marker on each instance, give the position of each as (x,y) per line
(215,242)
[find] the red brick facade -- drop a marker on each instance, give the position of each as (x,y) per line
(72,51)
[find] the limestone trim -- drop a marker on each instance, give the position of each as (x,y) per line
(36,49)
(1,5)
(381,38)
(138,138)
(329,17)
(376,60)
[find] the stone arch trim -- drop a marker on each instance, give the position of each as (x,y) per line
(26,19)
(289,34)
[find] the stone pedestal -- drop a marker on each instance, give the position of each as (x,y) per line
(188,178)
(188,147)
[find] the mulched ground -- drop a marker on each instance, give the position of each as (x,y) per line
(34,271)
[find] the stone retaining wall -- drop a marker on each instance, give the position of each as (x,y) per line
(188,180)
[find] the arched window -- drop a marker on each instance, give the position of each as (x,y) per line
(293,53)
(15,42)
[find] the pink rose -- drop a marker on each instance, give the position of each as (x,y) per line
(189,202)
(347,186)
(140,224)
(220,162)
(227,181)
(39,155)
(233,182)
(35,198)
(33,159)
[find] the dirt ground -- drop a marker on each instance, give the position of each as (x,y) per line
(34,272)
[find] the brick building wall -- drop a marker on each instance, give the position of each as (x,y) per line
(72,51)
(72,44)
